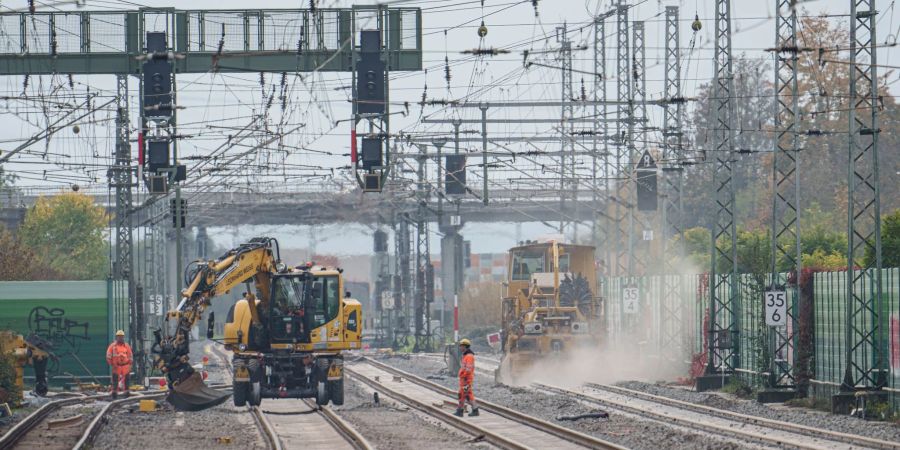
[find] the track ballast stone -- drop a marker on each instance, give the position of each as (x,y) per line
(388,427)
(621,429)
(801,416)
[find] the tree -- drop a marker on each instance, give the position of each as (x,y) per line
(18,262)
(890,242)
(66,231)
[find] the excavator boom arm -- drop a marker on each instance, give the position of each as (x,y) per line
(205,281)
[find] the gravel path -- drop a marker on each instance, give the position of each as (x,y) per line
(623,429)
(390,426)
(802,416)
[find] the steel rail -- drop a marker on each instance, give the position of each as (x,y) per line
(96,425)
(433,411)
(733,432)
(93,429)
(350,434)
(516,416)
(268,431)
(270,435)
(21,429)
(755,420)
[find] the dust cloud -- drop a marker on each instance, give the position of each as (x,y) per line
(643,347)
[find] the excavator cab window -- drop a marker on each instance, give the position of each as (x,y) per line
(525,263)
(326,296)
(288,314)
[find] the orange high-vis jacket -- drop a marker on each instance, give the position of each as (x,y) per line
(467,365)
(118,354)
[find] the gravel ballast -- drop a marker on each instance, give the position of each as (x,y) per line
(389,426)
(623,429)
(802,416)
(167,428)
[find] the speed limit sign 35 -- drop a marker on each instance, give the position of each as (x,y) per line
(776,308)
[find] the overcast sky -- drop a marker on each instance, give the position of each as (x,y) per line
(449,27)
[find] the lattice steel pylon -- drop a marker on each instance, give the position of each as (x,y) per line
(423,261)
(602,230)
(623,116)
(672,205)
(786,185)
(123,270)
(724,326)
(568,185)
(866,363)
(637,143)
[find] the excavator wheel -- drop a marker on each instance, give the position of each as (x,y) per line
(336,391)
(254,394)
(240,389)
(321,393)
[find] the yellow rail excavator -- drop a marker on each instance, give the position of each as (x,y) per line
(550,307)
(287,337)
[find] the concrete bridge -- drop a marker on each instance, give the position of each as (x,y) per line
(317,208)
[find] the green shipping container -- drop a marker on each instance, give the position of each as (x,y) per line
(70,314)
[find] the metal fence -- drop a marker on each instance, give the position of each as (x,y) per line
(673,328)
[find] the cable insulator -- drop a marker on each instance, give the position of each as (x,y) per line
(696,25)
(447,71)
(482,30)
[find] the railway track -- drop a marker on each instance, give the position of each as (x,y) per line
(497,425)
(17,434)
(300,423)
(743,427)
(19,431)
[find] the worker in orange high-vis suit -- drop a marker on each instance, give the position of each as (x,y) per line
(466,377)
(119,357)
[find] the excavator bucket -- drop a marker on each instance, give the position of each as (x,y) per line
(193,395)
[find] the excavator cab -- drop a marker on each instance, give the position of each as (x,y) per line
(288,321)
(287,337)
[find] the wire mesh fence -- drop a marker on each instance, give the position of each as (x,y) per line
(808,352)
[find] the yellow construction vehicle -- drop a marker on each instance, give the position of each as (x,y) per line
(287,337)
(27,351)
(550,306)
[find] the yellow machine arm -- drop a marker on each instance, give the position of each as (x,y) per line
(206,280)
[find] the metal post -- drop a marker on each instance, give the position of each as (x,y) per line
(866,363)
(637,139)
(566,115)
(786,182)
(623,115)
(484,149)
(672,212)
(123,266)
(422,257)
(599,79)
(598,240)
(723,355)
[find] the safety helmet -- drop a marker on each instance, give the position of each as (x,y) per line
(120,333)
(465,342)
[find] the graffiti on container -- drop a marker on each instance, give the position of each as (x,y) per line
(53,325)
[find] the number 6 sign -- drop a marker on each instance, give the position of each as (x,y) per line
(776,308)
